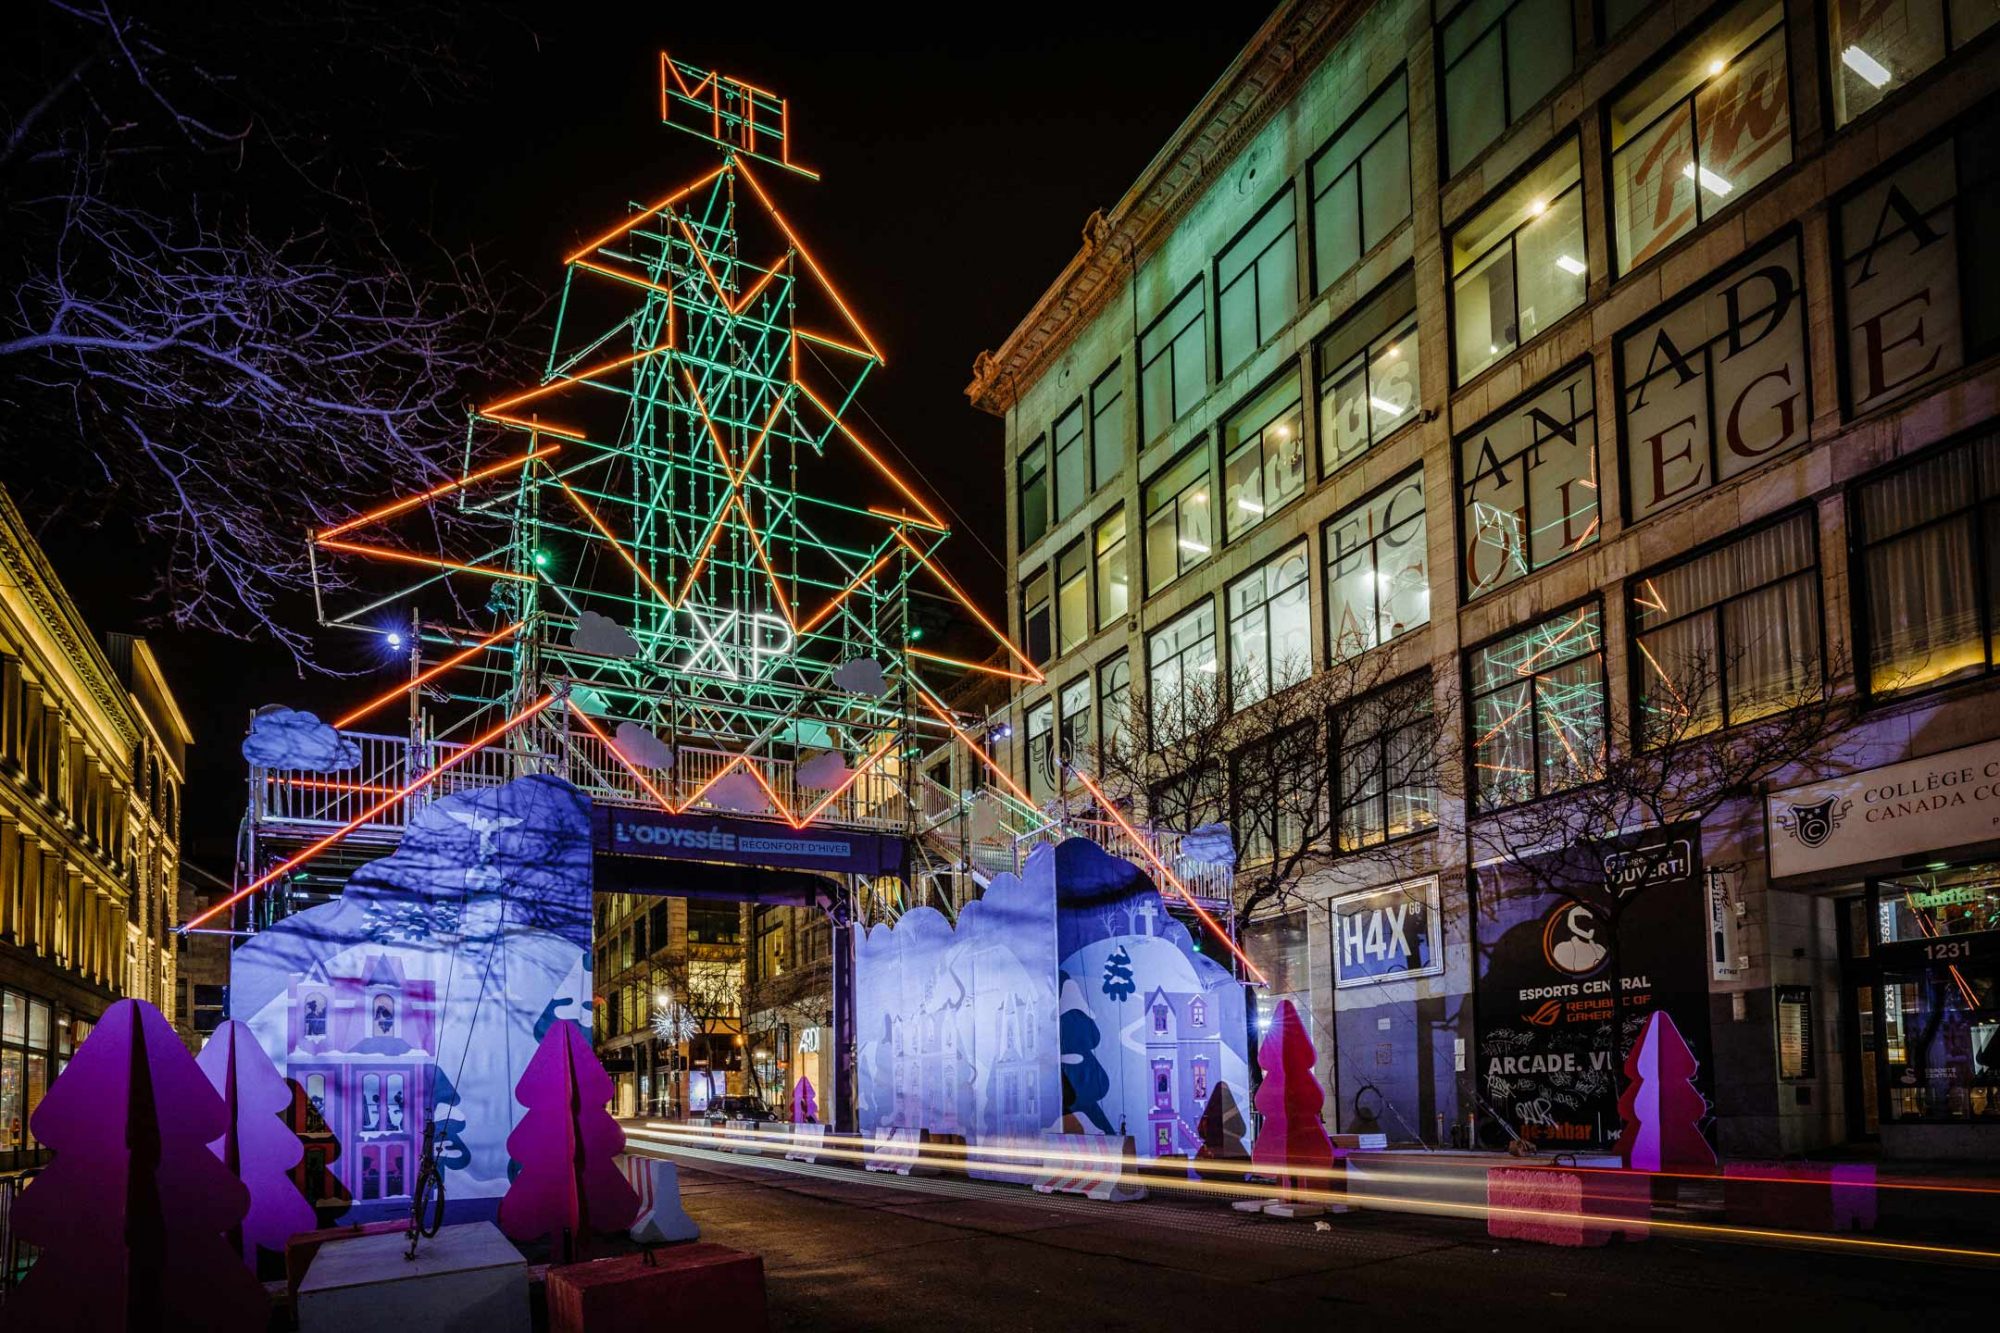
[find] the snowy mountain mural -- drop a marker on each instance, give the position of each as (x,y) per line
(428,984)
(1066,998)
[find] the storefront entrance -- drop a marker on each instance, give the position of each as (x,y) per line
(1921,974)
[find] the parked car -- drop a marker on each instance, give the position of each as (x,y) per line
(737,1108)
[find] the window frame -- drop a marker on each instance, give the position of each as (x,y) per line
(1265,570)
(1829,106)
(1460,486)
(1099,474)
(1571,138)
(1307,736)
(1023,480)
(1285,195)
(1222,504)
(1316,281)
(1204,477)
(1192,611)
(1326,560)
(1149,430)
(1510,115)
(1365,308)
(1047,577)
(1476,808)
(1103,560)
(1099,675)
(1046,704)
(1418,682)
(1062,506)
(1059,634)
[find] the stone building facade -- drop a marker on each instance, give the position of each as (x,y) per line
(1538,347)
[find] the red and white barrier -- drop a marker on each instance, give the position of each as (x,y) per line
(736,1132)
(658,1185)
(807,1140)
(1092,1165)
(897,1149)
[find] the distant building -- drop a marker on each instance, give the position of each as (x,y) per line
(92,760)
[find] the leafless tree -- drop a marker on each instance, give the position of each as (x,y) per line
(212,343)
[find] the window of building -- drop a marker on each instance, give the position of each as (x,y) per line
(1385,768)
(1368,382)
(1075,709)
(1107,426)
(1729,636)
(1072,462)
(1538,709)
(1271,784)
(1181,684)
(1361,183)
(1617,14)
(1114,579)
(1177,519)
(1035,617)
(1519,264)
(1701,131)
(1500,58)
(1114,698)
(1264,456)
(1528,484)
(1256,282)
(1716,383)
(1879,46)
(713,923)
(1072,596)
(1043,774)
(1034,465)
(1920,288)
(1270,627)
(1188,800)
(1929,535)
(1377,569)
(1173,363)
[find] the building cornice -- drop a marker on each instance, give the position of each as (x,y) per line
(1254,87)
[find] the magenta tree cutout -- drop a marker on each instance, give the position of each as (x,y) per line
(1292,1141)
(568,1185)
(1661,1106)
(132,1214)
(258,1147)
(805,1104)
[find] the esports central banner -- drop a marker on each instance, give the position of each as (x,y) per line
(1556,975)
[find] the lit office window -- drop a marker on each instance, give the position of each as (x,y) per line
(1528,484)
(1377,569)
(1519,264)
(1386,764)
(1878,46)
(1114,579)
(1177,519)
(1181,685)
(1270,627)
(1074,703)
(1256,283)
(1701,131)
(1368,378)
(1072,596)
(1263,456)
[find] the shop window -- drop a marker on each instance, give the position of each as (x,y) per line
(1270,627)
(1538,709)
(1181,687)
(1730,636)
(1929,537)
(1107,426)
(1173,363)
(1072,463)
(1519,264)
(1072,596)
(1043,775)
(1034,492)
(1368,376)
(1177,519)
(1256,283)
(1701,131)
(1114,579)
(1377,569)
(1385,768)
(1037,632)
(1877,47)
(1528,484)
(1263,457)
(1114,702)
(1500,58)
(1361,183)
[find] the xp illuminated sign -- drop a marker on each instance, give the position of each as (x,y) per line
(733,645)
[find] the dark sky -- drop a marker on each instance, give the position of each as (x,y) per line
(958,172)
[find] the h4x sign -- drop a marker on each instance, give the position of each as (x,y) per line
(1387,934)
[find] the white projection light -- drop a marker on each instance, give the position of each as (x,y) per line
(1711,182)
(1570,265)
(1868,67)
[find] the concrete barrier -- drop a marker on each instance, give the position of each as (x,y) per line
(896,1149)
(661,1218)
(806,1142)
(738,1130)
(1092,1165)
(1800,1196)
(1554,1205)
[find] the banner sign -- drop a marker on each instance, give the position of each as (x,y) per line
(711,837)
(1556,976)
(1933,804)
(1387,934)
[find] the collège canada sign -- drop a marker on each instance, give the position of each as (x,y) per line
(1925,805)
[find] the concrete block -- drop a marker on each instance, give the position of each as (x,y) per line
(465,1279)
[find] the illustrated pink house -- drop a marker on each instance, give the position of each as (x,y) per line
(1183,1052)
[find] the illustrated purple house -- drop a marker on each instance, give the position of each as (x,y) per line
(1183,1051)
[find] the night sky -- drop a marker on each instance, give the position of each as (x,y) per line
(957,178)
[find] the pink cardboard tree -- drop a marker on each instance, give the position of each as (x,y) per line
(131,1215)
(1292,1140)
(258,1147)
(805,1105)
(568,1185)
(1661,1107)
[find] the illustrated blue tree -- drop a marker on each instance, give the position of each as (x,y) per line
(1084,1082)
(1118,982)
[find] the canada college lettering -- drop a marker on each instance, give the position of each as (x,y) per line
(1932,792)
(1928,805)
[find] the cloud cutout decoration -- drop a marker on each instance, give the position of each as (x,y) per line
(642,747)
(1210,844)
(740,792)
(286,738)
(588,700)
(823,772)
(602,635)
(861,675)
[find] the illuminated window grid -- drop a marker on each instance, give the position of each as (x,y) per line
(1537,704)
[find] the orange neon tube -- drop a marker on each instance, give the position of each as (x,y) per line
(811,263)
(974,666)
(633,278)
(757,545)
(430,562)
(640,217)
(364,710)
(619,755)
(616,545)
(471,747)
(412,501)
(976,748)
(966,602)
(911,519)
(811,622)
(536,424)
(852,778)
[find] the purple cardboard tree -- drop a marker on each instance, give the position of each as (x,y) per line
(805,1105)
(1661,1107)
(1291,1140)
(131,1215)
(258,1147)
(1220,1129)
(568,1186)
